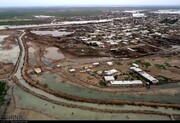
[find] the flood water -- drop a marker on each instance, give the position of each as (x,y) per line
(10,56)
(53,53)
(170,11)
(53,33)
(75,90)
(27,100)
(31,50)
(2,37)
(59,23)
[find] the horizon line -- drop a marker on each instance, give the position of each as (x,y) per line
(92,6)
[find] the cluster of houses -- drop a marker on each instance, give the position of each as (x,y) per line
(109,76)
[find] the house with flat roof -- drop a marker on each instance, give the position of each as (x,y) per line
(37,70)
(109,78)
(126,83)
(144,75)
(111,72)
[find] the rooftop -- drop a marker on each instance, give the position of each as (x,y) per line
(134,82)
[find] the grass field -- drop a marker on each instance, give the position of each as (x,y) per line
(29,14)
(60,14)
(23,22)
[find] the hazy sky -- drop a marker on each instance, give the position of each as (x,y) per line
(7,3)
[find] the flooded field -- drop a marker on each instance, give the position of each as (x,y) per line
(31,50)
(170,11)
(10,56)
(2,37)
(55,33)
(28,101)
(53,53)
(59,23)
(89,93)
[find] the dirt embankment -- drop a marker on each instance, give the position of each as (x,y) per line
(85,107)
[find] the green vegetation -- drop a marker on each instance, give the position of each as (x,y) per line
(169,21)
(128,78)
(142,63)
(160,66)
(92,74)
(23,22)
(46,85)
(163,79)
(62,14)
(63,81)
(102,83)
(3,91)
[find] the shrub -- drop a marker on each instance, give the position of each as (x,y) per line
(46,85)
(102,83)
(3,91)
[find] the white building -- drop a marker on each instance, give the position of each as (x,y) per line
(111,72)
(110,63)
(96,64)
(119,83)
(37,70)
(109,78)
(99,72)
(145,75)
(72,70)
(135,65)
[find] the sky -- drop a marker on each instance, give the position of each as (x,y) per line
(24,3)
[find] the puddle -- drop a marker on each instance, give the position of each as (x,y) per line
(2,37)
(53,53)
(31,50)
(9,56)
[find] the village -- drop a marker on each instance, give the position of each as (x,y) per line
(119,62)
(120,40)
